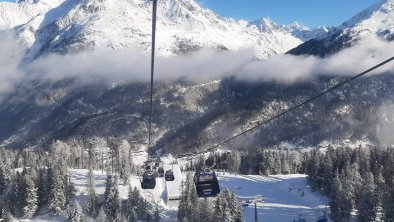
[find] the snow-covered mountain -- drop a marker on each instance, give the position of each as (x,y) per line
(377,20)
(303,33)
(63,26)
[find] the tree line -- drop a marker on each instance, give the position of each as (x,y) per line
(356,180)
(39,182)
(259,162)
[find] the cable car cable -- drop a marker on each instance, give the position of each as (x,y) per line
(154,12)
(294,107)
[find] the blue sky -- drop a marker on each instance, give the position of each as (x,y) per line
(311,13)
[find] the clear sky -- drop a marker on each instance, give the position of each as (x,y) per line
(311,13)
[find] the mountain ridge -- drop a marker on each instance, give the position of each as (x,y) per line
(183,26)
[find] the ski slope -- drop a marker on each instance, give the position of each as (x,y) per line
(285,197)
(173,188)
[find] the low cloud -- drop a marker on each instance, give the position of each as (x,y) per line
(133,64)
(351,61)
(10,57)
(386,125)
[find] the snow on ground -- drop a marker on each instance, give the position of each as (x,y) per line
(173,188)
(285,197)
(282,195)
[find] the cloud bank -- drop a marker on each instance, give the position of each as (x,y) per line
(132,64)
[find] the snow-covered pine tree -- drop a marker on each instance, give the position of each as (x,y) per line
(143,210)
(234,162)
(131,204)
(125,161)
(193,199)
(277,167)
(340,203)
(226,206)
(156,213)
(112,202)
(42,187)
(219,215)
(31,199)
(326,174)
(235,207)
(6,215)
(74,213)
(284,165)
(388,205)
(182,207)
(57,192)
(70,189)
(16,195)
(366,200)
(108,184)
(205,210)
(91,202)
(2,181)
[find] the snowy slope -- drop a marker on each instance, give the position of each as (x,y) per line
(282,195)
(183,26)
(377,20)
(285,197)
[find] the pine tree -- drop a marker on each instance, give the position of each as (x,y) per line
(183,206)
(2,181)
(91,202)
(156,214)
(42,187)
(69,186)
(388,205)
(285,165)
(367,200)
(131,204)
(236,209)
(112,201)
(6,215)
(219,215)
(74,213)
(226,206)
(193,200)
(338,203)
(16,196)
(205,211)
(31,198)
(57,195)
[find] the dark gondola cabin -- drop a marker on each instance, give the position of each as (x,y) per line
(160,171)
(169,175)
(206,182)
(148,180)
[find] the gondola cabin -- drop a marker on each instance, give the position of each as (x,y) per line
(206,182)
(169,175)
(161,171)
(148,180)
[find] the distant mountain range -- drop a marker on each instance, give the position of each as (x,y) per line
(188,115)
(62,26)
(376,20)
